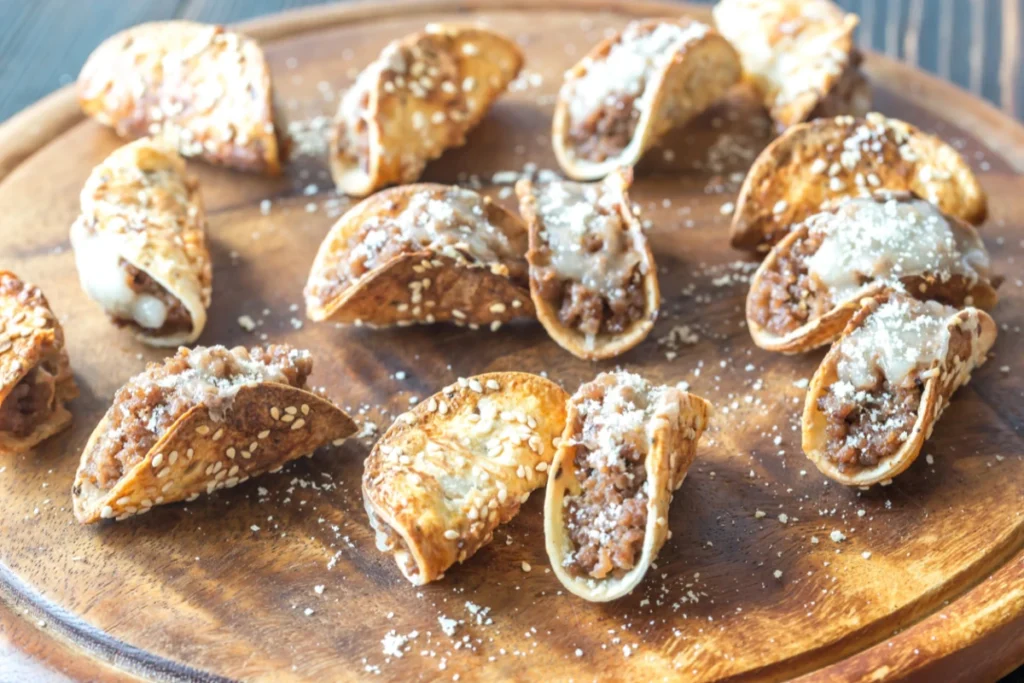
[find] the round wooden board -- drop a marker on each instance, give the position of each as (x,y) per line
(929,583)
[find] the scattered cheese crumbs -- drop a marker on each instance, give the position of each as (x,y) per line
(579,652)
(526,566)
(784,518)
(778,574)
(318,589)
(448,626)
(254,527)
(837,536)
(392,644)
(929,459)
(308,612)
(246,323)
(759,514)
(814,540)
(727,208)
(265,207)
(866,555)
(801,383)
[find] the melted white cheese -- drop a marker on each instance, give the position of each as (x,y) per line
(104,279)
(870,241)
(901,336)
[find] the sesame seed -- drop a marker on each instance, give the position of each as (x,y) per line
(264,434)
(163,473)
(158,460)
(275,413)
(230,453)
(305,409)
(202,430)
(217,436)
(299,424)
(451,534)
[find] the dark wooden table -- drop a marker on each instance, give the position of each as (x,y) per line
(43,44)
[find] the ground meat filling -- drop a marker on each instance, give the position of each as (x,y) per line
(29,404)
(178,318)
(587,265)
(787,296)
(866,428)
(607,520)
(606,131)
(152,402)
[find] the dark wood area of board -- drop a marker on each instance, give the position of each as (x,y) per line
(973,43)
(928,585)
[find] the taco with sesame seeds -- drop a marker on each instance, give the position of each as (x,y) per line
(883,385)
(626,448)
(447,473)
(420,97)
(827,159)
(35,374)
(635,86)
(140,244)
(811,283)
(203,89)
(422,254)
(799,55)
(204,419)
(593,279)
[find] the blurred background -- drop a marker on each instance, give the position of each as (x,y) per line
(974,43)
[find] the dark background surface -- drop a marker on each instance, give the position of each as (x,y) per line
(974,43)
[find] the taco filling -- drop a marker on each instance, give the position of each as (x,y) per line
(873,404)
(586,264)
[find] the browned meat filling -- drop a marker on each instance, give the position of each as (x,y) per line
(872,425)
(178,318)
(151,402)
(608,519)
(606,131)
(586,310)
(786,297)
(29,404)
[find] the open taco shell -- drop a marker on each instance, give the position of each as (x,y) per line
(201,88)
(447,473)
(35,374)
(668,71)
(543,216)
(827,159)
(396,118)
(971,334)
(957,276)
(379,266)
(673,428)
(140,244)
(799,54)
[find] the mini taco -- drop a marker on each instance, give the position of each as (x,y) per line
(800,56)
(421,254)
(827,159)
(635,86)
(204,419)
(420,97)
(811,283)
(881,388)
(592,276)
(202,88)
(140,244)
(626,448)
(450,471)
(35,374)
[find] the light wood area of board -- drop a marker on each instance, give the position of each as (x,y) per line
(929,581)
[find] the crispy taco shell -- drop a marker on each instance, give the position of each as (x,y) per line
(140,243)
(265,425)
(379,266)
(612,194)
(972,333)
(826,159)
(799,54)
(450,471)
(421,96)
(35,374)
(674,425)
(688,66)
(958,278)
(202,88)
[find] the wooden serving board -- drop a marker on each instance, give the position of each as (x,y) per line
(929,583)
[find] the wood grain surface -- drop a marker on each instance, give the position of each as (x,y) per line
(927,585)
